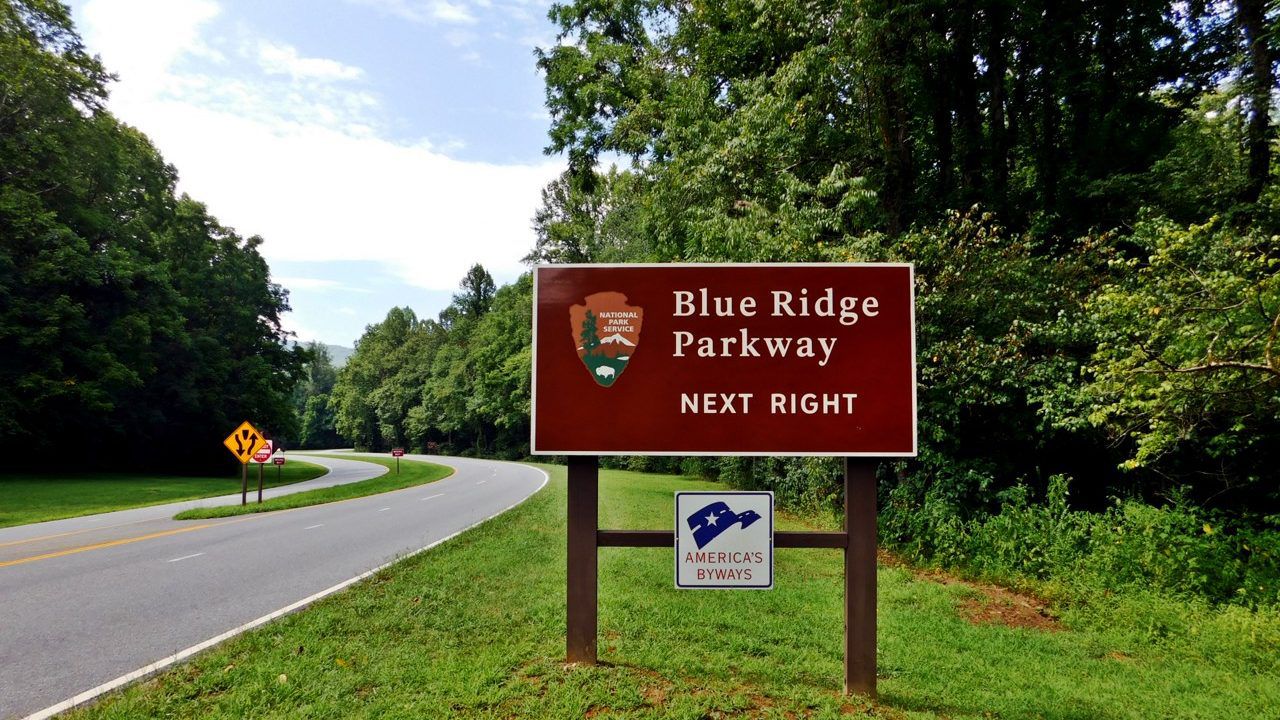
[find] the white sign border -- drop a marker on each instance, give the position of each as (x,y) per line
(533,388)
(675,509)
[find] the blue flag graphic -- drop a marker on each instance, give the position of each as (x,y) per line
(710,521)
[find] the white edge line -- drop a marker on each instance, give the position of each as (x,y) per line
(181,655)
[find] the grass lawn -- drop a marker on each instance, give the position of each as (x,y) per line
(29,498)
(412,472)
(475,628)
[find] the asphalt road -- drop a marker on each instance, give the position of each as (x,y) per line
(87,600)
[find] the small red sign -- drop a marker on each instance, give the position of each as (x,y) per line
(398,452)
(279,460)
(783,359)
(265,452)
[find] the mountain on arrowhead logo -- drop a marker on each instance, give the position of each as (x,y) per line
(606,332)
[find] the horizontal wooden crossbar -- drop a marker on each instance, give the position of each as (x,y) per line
(667,538)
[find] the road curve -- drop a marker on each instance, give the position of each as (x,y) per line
(340,472)
(87,603)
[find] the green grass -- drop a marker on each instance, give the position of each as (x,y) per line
(412,472)
(30,498)
(475,628)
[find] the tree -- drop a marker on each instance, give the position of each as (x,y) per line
(477,292)
(1187,368)
(130,318)
(1257,30)
(499,350)
(317,428)
(745,109)
(381,381)
(590,337)
(1006,147)
(574,225)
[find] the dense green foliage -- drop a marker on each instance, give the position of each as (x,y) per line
(459,383)
(135,329)
(1006,148)
(1131,547)
(313,402)
(1084,189)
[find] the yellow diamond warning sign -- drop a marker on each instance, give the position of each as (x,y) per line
(244,442)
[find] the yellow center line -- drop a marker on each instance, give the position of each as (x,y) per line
(165,533)
(76,532)
(122,541)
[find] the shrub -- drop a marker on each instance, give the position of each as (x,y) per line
(1175,549)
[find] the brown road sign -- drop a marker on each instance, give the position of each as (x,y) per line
(781,359)
(244,442)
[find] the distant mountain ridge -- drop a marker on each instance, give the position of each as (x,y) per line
(338,354)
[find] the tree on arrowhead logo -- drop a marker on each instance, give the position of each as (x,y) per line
(606,331)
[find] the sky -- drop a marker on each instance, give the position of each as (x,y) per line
(379,147)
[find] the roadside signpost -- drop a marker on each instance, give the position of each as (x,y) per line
(397,453)
(262,457)
(244,442)
(279,463)
(265,452)
(772,359)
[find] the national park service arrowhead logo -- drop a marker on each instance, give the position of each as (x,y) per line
(606,331)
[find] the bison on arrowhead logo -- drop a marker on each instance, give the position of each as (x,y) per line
(606,331)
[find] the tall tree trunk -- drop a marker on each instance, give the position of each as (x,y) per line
(965,81)
(1100,154)
(997,25)
(941,99)
(1251,17)
(893,119)
(1048,48)
(1021,125)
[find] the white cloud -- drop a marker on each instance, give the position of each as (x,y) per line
(303,163)
(432,11)
(319,284)
(147,37)
(445,11)
(307,283)
(279,59)
(302,333)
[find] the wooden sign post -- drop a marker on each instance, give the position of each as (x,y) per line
(760,360)
(262,457)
